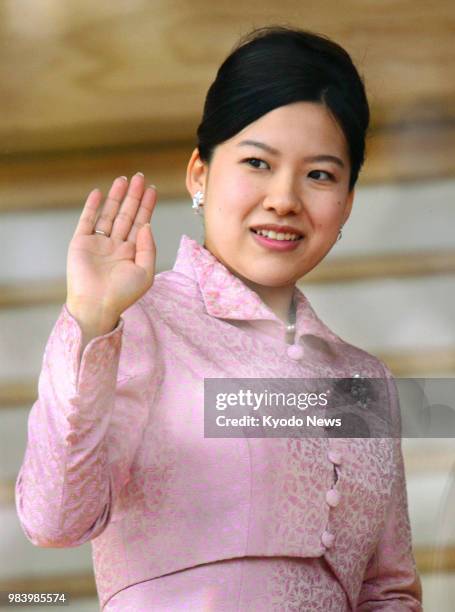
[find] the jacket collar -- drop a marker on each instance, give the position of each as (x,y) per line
(225,296)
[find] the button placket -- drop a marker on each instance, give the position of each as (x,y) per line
(327,538)
(333,495)
(295,351)
(334,456)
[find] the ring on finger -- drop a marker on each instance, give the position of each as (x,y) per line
(98,231)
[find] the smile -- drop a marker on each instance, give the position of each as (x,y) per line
(276,242)
(277,235)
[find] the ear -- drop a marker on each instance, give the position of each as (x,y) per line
(348,206)
(196,174)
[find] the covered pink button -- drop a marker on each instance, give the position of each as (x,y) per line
(327,539)
(334,456)
(295,351)
(332,497)
(72,418)
(71,438)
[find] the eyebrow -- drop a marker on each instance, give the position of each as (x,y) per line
(273,151)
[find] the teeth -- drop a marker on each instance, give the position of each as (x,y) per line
(277,236)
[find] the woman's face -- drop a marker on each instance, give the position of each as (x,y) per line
(288,173)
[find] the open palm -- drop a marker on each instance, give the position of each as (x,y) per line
(109,270)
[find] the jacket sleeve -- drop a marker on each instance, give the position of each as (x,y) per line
(391,582)
(85,427)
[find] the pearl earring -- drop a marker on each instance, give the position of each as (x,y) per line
(198,200)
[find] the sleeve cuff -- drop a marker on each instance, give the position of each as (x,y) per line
(72,375)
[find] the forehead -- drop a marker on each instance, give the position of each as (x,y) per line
(295,127)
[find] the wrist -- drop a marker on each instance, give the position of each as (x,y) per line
(94,320)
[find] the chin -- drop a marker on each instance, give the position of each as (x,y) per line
(269,280)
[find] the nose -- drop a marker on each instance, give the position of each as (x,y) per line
(283,196)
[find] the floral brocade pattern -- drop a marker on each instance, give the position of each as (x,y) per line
(247,584)
(117,455)
(306,585)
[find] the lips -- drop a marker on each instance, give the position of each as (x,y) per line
(279,229)
(278,242)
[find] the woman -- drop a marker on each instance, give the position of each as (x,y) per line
(116,451)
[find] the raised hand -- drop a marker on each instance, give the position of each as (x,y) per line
(109,270)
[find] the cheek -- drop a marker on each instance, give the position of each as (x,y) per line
(245,187)
(236,186)
(326,214)
(234,198)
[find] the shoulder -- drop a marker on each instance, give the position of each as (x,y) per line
(352,359)
(145,322)
(374,380)
(168,288)
(361,361)
(347,358)
(174,301)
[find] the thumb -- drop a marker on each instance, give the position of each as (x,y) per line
(146,250)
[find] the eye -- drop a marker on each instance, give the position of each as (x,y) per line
(255,163)
(328,175)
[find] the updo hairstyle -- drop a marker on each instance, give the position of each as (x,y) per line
(277,65)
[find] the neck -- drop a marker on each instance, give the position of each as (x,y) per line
(278,299)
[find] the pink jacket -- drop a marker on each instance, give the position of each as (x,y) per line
(116,452)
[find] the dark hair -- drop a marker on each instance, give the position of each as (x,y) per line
(277,65)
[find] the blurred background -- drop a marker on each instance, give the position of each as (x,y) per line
(93,90)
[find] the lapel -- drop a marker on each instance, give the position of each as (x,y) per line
(225,296)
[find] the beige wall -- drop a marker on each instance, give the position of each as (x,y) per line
(91,91)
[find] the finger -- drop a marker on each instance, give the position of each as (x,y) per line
(144,213)
(146,251)
(87,219)
(111,205)
(127,213)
